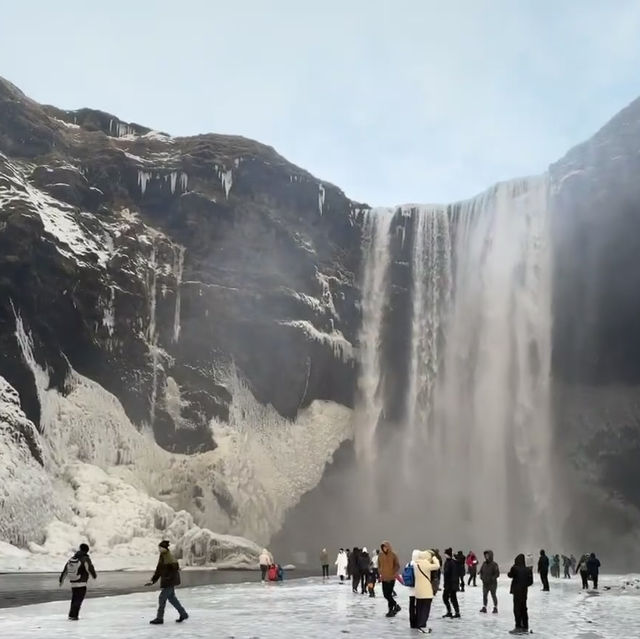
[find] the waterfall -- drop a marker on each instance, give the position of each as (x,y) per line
(376,257)
(477,426)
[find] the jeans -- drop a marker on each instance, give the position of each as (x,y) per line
(77,597)
(544,578)
(450,595)
(520,612)
(325,570)
(169,594)
(387,591)
(485,594)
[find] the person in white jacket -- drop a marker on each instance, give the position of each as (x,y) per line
(342,561)
(265,560)
(423,563)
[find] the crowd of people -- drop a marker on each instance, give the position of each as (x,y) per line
(425,575)
(428,572)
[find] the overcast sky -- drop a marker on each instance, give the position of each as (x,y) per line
(394,101)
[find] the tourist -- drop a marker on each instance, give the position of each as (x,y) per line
(472,568)
(555,567)
(77,570)
(341,565)
(265,561)
(451,585)
(389,566)
(593,569)
(424,564)
(348,553)
(374,565)
(566,564)
(168,572)
(521,578)
(354,568)
(543,570)
(436,574)
(584,571)
(364,568)
(324,561)
(489,573)
(461,565)
(574,562)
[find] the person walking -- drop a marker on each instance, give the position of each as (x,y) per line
(77,570)
(168,572)
(389,566)
(341,565)
(584,571)
(364,568)
(555,567)
(354,568)
(566,564)
(324,561)
(521,578)
(265,561)
(462,570)
(543,570)
(593,569)
(489,573)
(451,584)
(472,568)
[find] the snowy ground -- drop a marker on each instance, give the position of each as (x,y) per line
(308,608)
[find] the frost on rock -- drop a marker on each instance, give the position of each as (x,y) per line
(226,178)
(27,500)
(340,346)
(321,196)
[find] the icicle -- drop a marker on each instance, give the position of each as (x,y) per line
(143,179)
(174,180)
(321,195)
(184,181)
(178,268)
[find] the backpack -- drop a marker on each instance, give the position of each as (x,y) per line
(75,570)
(272,575)
(408,576)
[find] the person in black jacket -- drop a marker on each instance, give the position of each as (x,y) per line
(354,568)
(593,569)
(364,568)
(451,584)
(461,564)
(168,572)
(543,570)
(521,578)
(77,570)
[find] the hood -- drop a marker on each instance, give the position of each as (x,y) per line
(519,561)
(425,555)
(387,545)
(364,550)
(415,555)
(265,551)
(488,555)
(544,554)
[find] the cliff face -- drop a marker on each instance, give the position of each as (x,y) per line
(184,314)
(169,271)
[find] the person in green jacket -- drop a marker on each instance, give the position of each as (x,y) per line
(168,572)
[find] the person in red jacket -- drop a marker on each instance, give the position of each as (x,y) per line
(472,568)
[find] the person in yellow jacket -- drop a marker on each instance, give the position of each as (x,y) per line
(424,564)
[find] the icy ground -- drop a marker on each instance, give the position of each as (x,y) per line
(307,608)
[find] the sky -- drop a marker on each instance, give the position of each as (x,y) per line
(393,101)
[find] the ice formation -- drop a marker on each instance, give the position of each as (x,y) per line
(226,178)
(178,269)
(321,197)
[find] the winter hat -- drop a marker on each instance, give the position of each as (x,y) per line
(448,552)
(164,544)
(84,547)
(365,549)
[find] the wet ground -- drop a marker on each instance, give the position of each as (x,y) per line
(19,589)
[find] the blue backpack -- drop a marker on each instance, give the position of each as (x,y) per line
(408,576)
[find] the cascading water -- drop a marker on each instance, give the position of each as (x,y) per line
(375,263)
(477,428)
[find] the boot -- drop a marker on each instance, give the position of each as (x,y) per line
(182,618)
(457,615)
(483,609)
(447,616)
(156,622)
(495,610)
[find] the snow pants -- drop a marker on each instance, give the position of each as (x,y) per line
(169,594)
(520,612)
(387,591)
(485,594)
(419,610)
(77,597)
(544,578)
(450,598)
